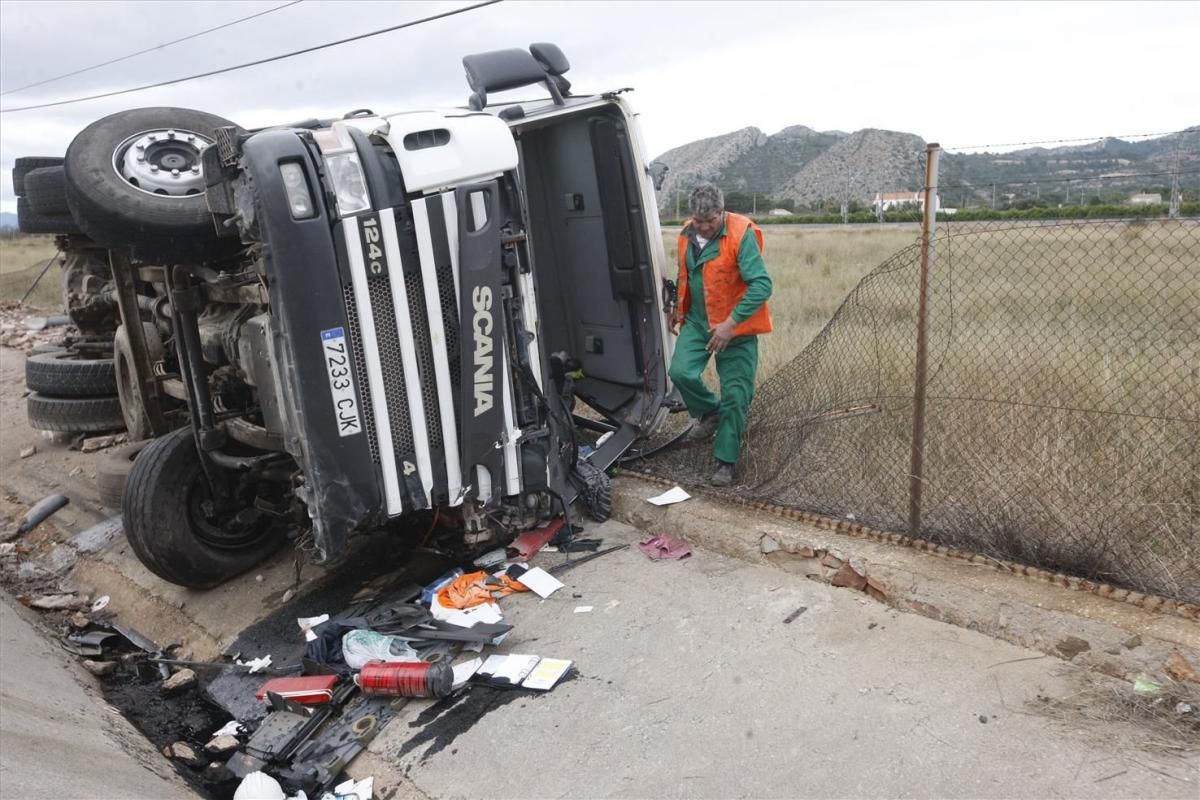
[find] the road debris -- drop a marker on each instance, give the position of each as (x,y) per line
(222,745)
(664,548)
(669,497)
(58,602)
(1180,670)
(97,443)
(26,452)
(41,511)
(100,669)
(183,679)
(792,617)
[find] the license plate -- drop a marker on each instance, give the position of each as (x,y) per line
(341,382)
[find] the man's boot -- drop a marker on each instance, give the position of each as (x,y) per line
(705,428)
(723,476)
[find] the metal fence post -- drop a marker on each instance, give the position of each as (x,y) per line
(928,221)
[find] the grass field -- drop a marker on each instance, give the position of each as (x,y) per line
(21,259)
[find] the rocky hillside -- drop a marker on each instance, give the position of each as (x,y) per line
(810,167)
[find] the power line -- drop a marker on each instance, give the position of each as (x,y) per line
(1063,141)
(259,62)
(984,182)
(150,49)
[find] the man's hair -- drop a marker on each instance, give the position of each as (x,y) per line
(706,200)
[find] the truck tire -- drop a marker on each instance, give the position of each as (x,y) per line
(164,522)
(30,221)
(113,470)
(135,182)
(74,414)
(46,191)
(26,165)
(137,421)
(63,373)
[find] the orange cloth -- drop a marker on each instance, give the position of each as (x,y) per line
(723,284)
(472,589)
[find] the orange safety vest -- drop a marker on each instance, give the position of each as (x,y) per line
(723,284)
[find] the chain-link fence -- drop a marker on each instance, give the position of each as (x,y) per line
(1062,424)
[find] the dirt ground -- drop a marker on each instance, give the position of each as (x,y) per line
(695,678)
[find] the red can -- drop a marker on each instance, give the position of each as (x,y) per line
(406,679)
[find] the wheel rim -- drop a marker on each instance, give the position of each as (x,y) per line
(225,536)
(164,162)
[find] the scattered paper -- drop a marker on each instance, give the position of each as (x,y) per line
(308,623)
(548,672)
(487,613)
(231,728)
(583,609)
(508,670)
(464,671)
(676,495)
(541,582)
(256,664)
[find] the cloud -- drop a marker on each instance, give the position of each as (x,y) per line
(957,73)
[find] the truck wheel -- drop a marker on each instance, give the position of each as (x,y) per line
(74,414)
(26,165)
(64,373)
(46,191)
(30,221)
(137,421)
(135,181)
(166,524)
(113,470)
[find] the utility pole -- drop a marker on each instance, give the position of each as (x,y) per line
(754,204)
(879,206)
(1173,212)
(993,197)
(916,483)
(677,204)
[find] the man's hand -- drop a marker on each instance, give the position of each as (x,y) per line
(676,319)
(720,335)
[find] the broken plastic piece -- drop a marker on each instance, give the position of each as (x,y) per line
(361,646)
(259,786)
(430,591)
(306,690)
(41,511)
(308,623)
(1144,684)
(531,541)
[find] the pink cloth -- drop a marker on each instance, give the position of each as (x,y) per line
(663,547)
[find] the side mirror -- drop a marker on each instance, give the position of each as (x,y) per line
(658,174)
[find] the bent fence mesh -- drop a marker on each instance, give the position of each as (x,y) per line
(1063,402)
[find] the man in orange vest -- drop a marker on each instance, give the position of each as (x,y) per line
(723,290)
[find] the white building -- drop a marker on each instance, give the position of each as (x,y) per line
(894,200)
(1146,199)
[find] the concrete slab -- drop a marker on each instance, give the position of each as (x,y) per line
(692,684)
(58,738)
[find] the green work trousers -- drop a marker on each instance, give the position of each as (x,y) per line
(736,367)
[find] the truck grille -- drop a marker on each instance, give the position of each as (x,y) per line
(388,337)
(420,328)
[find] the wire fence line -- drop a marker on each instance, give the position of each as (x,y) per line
(1062,416)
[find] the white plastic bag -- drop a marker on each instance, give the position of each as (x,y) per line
(361,646)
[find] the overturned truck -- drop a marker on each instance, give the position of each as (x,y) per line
(343,325)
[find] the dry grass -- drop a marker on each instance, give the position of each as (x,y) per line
(21,259)
(1149,722)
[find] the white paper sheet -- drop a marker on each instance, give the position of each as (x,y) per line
(676,495)
(548,672)
(583,609)
(464,671)
(542,583)
(308,623)
(486,613)
(511,668)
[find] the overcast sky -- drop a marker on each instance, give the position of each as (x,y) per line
(958,73)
